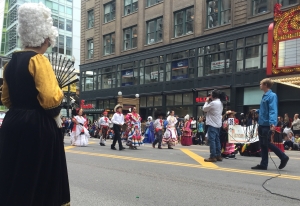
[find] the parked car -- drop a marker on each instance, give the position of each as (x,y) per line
(2,115)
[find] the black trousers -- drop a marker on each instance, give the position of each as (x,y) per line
(117,137)
(158,138)
(201,137)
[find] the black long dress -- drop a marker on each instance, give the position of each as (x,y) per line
(33,168)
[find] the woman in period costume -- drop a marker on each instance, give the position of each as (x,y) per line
(170,135)
(186,139)
(228,149)
(32,157)
(80,135)
(133,121)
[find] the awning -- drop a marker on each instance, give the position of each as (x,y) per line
(291,80)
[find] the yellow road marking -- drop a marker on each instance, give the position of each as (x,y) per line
(198,158)
(265,174)
(69,147)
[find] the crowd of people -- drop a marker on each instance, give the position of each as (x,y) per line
(187,131)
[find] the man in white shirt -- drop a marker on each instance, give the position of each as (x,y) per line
(103,125)
(118,121)
(296,124)
(214,108)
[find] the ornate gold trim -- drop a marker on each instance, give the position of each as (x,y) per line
(67,204)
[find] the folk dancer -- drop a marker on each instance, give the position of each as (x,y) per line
(80,135)
(149,134)
(158,128)
(227,149)
(133,121)
(170,135)
(118,121)
(103,127)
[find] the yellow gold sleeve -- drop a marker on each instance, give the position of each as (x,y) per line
(50,95)
(5,93)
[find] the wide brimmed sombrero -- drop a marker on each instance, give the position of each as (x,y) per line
(230,112)
(118,106)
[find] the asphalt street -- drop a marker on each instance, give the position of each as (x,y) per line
(100,176)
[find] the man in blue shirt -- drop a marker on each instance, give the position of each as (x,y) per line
(268,113)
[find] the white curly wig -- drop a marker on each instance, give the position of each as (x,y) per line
(35,24)
(187,117)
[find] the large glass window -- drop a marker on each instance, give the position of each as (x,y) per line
(109,44)
(215,59)
(69,25)
(109,11)
(90,19)
(61,44)
(181,65)
(89,80)
(259,6)
(129,74)
(55,21)
(184,22)
(69,11)
(108,75)
(287,2)
(130,6)
(61,23)
(68,45)
(252,52)
(218,12)
(90,49)
(152,2)
(130,38)
(152,70)
(154,30)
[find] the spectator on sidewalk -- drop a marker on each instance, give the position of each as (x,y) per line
(296,124)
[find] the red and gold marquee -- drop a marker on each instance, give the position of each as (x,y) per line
(284,46)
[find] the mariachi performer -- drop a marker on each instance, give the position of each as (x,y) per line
(80,135)
(228,149)
(104,125)
(32,157)
(158,128)
(170,135)
(133,121)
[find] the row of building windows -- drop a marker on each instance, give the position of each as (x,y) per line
(58,8)
(62,23)
(218,13)
(226,57)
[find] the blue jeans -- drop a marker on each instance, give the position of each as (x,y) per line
(214,141)
(264,141)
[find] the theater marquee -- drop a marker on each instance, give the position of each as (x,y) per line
(284,46)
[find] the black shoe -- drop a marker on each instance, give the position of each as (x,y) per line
(113,148)
(159,147)
(170,147)
(259,167)
(102,144)
(283,162)
(122,148)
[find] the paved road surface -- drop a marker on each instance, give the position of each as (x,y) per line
(100,176)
